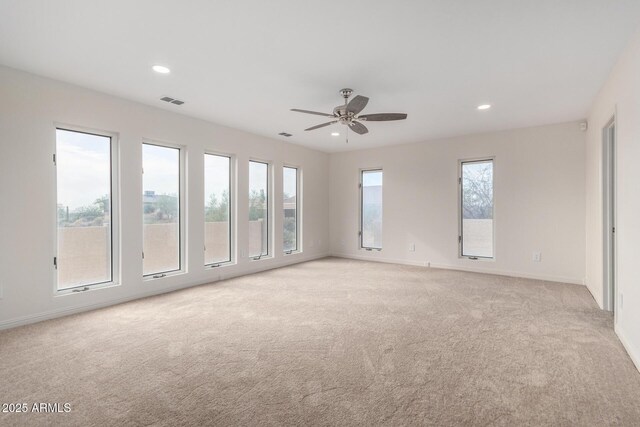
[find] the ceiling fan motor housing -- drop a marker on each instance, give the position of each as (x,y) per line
(342,114)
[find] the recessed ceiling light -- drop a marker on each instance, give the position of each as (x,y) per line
(335,133)
(161,69)
(484,107)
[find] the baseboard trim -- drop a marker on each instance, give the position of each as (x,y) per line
(275,264)
(633,355)
(67,311)
(379,259)
(545,278)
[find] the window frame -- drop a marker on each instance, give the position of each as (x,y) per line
(361,208)
(461,255)
(232,208)
(114,169)
(182,213)
(298,170)
(269,213)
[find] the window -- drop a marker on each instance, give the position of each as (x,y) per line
(217,209)
(476,200)
(258,209)
(290,202)
(161,210)
(371,209)
(85,231)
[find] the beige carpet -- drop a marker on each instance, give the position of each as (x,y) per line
(331,342)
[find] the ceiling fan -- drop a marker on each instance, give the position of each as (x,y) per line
(349,114)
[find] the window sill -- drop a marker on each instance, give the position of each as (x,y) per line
(472,258)
(287,253)
(157,276)
(219,265)
(83,289)
(260,257)
(371,249)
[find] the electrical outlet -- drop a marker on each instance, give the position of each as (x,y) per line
(537,257)
(412,247)
(241,253)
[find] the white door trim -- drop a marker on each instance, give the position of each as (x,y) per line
(609,172)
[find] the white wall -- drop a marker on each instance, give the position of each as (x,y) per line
(620,96)
(31,105)
(539,201)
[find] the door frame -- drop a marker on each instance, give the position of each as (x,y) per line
(609,199)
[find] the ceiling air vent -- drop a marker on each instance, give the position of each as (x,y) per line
(285,134)
(171,100)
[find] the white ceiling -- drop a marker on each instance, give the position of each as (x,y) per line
(244,64)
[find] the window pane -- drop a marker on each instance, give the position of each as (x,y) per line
(217,209)
(83,167)
(161,208)
(290,196)
(372,209)
(258,209)
(477,209)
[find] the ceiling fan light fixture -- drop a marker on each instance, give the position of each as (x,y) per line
(335,133)
(484,106)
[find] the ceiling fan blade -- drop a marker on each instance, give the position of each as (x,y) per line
(357,104)
(322,125)
(383,117)
(358,128)
(312,112)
